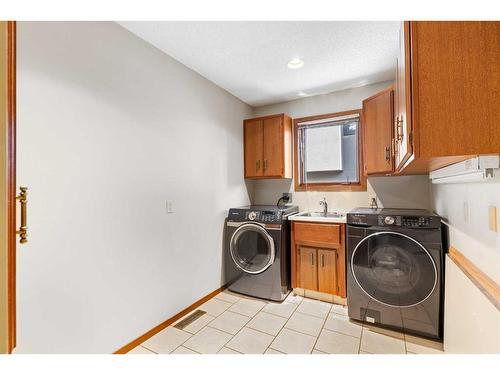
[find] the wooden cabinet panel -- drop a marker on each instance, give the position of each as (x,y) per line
(317,233)
(378,135)
(327,271)
(307,268)
(402,123)
(253,133)
(268,147)
(318,265)
(273,147)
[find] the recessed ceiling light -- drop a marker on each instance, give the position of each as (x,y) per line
(301,93)
(295,63)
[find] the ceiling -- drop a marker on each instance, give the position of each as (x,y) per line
(249,59)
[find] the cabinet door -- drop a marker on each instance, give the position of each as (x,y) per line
(273,147)
(307,269)
(378,120)
(253,148)
(327,271)
(402,122)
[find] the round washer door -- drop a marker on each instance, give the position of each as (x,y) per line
(394,269)
(252,248)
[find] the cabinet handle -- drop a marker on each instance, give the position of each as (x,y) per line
(265,164)
(322,260)
(399,128)
(257,165)
(387,151)
(23,229)
(312,259)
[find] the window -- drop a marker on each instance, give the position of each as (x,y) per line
(328,153)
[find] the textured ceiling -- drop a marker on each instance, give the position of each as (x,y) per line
(249,59)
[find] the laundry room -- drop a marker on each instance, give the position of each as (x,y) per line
(235,186)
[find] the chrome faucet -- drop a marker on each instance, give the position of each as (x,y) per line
(325,206)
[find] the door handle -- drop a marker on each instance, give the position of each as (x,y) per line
(265,164)
(23,229)
(257,165)
(312,259)
(322,260)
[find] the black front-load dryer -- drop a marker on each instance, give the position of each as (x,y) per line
(395,271)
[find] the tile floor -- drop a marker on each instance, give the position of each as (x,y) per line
(235,324)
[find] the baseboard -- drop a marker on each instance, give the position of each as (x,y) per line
(131,345)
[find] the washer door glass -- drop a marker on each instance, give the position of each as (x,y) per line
(252,248)
(394,269)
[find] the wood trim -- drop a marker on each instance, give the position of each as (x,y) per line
(360,186)
(153,331)
(11,181)
(483,282)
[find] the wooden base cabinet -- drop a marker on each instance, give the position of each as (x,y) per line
(318,257)
(268,147)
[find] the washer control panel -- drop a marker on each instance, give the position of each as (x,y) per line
(416,222)
(384,220)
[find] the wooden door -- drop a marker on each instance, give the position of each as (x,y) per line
(273,147)
(378,120)
(307,268)
(402,122)
(253,144)
(327,271)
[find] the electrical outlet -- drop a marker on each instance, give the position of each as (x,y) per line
(492,216)
(170,207)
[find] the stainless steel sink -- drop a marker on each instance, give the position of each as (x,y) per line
(321,214)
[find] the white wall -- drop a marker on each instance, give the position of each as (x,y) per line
(395,192)
(109,128)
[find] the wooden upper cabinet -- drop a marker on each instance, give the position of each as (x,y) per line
(253,148)
(268,147)
(447,94)
(378,119)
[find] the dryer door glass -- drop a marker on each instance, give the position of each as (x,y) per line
(394,269)
(252,248)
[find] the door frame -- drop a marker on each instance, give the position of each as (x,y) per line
(7,186)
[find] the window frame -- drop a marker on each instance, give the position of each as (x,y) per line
(326,186)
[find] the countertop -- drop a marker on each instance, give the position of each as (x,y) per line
(338,220)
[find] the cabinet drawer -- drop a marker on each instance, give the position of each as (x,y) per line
(317,233)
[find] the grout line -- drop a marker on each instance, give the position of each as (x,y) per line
(321,330)
(185,347)
(321,351)
(342,333)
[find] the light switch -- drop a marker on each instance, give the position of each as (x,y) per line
(492,214)
(170,207)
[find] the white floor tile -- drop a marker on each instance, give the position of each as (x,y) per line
(267,323)
(342,324)
(182,350)
(140,350)
(319,309)
(339,309)
(294,298)
(215,306)
(419,345)
(337,343)
(225,350)
(166,341)
(248,307)
(208,341)
(318,352)
(378,343)
(284,309)
(198,324)
(292,342)
(303,323)
(250,341)
(229,322)
(228,297)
